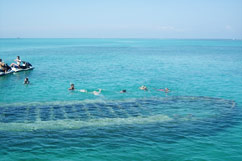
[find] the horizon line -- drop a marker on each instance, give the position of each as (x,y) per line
(119,38)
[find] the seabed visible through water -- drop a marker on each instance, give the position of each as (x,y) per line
(172,112)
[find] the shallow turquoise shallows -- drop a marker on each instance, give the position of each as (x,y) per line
(199,119)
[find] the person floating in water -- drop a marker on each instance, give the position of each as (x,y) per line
(18,61)
(72,87)
(26,80)
(166,90)
(97,92)
(123,91)
(143,88)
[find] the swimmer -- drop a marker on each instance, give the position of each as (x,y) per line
(166,90)
(123,91)
(143,88)
(72,87)
(97,92)
(26,80)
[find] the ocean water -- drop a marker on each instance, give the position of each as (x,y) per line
(199,119)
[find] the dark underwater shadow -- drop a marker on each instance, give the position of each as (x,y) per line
(126,119)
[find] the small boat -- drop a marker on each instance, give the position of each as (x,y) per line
(21,69)
(27,66)
(6,73)
(14,70)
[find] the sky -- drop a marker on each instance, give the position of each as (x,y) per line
(207,19)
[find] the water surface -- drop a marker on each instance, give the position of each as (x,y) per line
(200,119)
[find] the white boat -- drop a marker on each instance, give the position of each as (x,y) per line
(14,70)
(21,69)
(8,72)
(25,67)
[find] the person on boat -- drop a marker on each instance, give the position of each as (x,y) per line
(97,92)
(18,61)
(143,88)
(123,91)
(26,65)
(2,66)
(8,68)
(72,87)
(26,80)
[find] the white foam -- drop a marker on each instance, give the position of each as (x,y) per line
(74,124)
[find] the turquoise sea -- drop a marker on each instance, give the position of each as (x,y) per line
(200,118)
